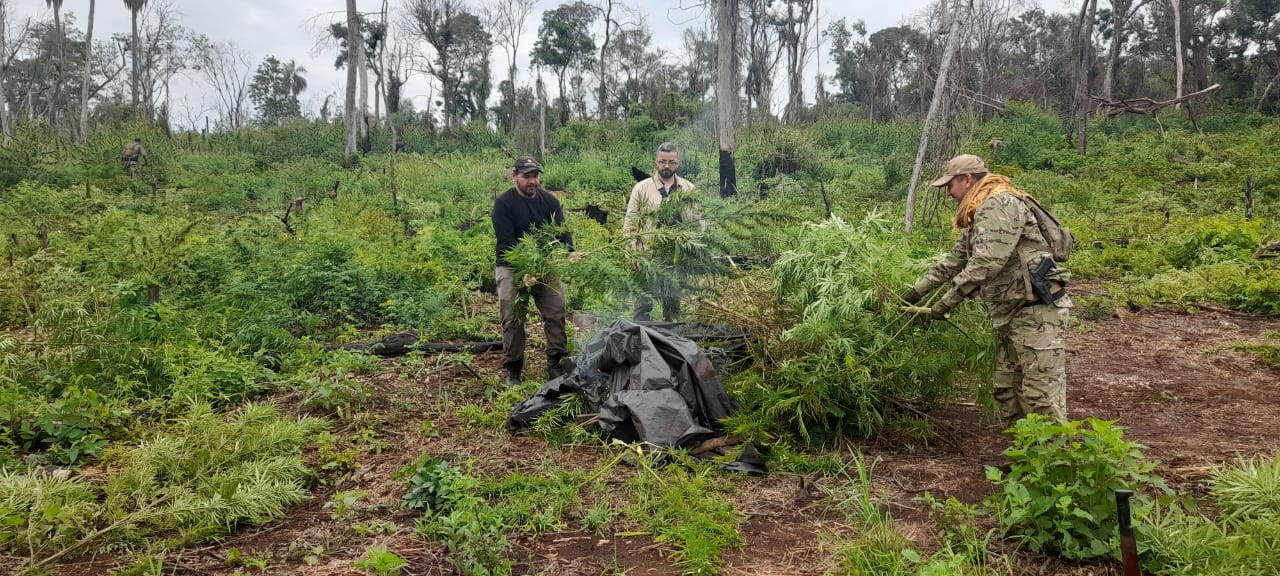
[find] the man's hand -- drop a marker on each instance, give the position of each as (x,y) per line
(529,280)
(910,296)
(935,313)
(575,257)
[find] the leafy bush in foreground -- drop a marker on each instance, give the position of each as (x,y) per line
(1059,493)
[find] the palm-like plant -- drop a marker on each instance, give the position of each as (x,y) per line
(135,6)
(296,77)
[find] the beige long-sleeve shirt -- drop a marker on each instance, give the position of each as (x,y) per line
(646,196)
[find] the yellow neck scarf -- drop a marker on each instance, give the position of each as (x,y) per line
(985,188)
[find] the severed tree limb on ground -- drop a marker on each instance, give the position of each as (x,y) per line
(1145,105)
(1268,250)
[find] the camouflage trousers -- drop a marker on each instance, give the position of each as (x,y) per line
(1031,364)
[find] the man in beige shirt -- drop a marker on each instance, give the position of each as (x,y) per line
(639,226)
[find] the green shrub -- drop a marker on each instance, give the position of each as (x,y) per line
(471,529)
(378,561)
(1215,240)
(1244,539)
(1059,493)
(75,427)
(434,486)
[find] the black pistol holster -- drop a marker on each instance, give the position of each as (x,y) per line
(1046,291)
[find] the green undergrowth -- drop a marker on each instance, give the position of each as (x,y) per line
(681,502)
(687,505)
(197,480)
(875,546)
(1243,538)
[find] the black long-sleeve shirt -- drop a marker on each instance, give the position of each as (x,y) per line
(514,216)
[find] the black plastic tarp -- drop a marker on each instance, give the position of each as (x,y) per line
(646,383)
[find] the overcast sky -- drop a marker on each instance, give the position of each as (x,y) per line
(288,29)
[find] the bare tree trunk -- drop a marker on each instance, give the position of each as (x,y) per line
(1262,100)
(935,103)
(133,77)
(604,71)
(1080,102)
(5,128)
(353,39)
(58,76)
(88,71)
(391,155)
(1119,14)
(727,92)
(796,41)
(379,92)
(542,118)
(1177,46)
(363,66)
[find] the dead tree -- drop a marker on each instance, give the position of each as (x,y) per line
(939,87)
(288,211)
(727,92)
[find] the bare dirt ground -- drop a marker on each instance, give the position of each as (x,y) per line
(1161,373)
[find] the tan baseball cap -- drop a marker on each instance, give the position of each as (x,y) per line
(962,164)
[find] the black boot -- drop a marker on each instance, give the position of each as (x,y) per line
(556,366)
(513,373)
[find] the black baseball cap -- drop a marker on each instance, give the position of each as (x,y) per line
(525,165)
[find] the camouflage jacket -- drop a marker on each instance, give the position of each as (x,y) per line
(988,258)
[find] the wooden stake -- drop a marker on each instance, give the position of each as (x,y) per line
(1248,198)
(826,200)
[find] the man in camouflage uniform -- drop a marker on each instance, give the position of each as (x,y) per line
(133,153)
(999,248)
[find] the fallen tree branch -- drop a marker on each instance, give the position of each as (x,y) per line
(402,343)
(1145,105)
(1268,250)
(714,443)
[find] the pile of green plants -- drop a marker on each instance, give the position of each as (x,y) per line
(1243,538)
(199,478)
(849,358)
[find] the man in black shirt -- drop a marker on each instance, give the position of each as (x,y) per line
(517,212)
